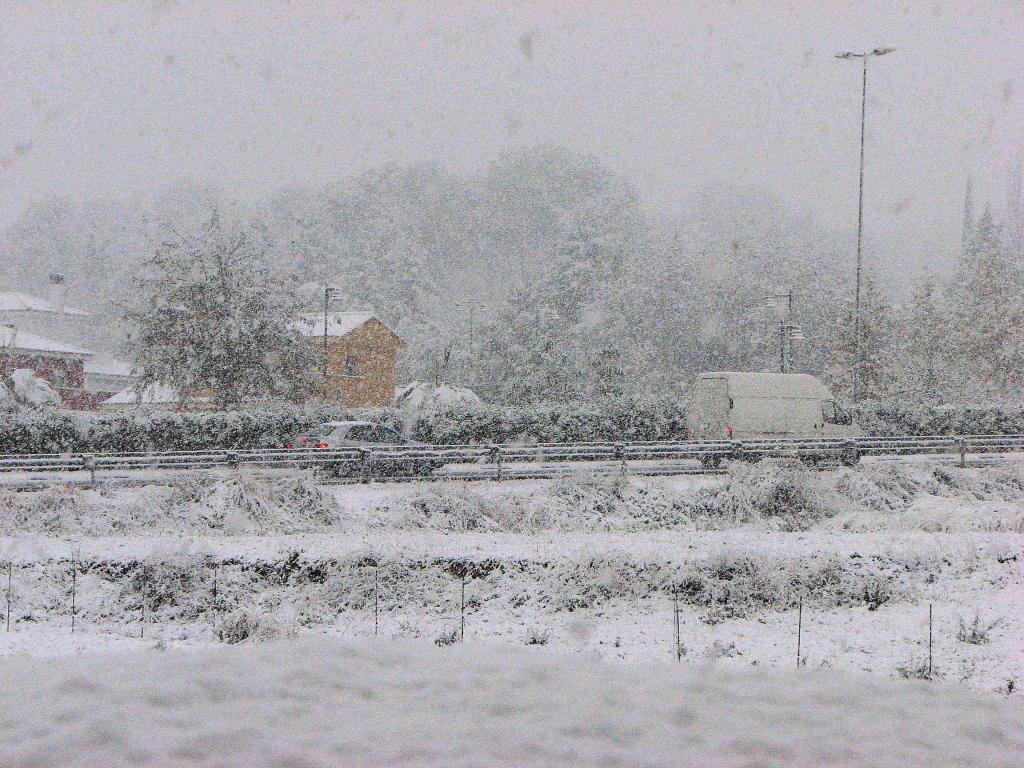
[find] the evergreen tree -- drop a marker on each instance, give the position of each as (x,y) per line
(967,229)
(877,367)
(989,316)
(924,362)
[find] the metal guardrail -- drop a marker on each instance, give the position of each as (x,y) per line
(420,462)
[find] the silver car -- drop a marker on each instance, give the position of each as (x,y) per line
(385,452)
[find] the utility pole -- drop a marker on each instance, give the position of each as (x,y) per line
(783,327)
(470,307)
(781,303)
(863,56)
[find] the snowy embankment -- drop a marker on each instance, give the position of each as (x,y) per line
(313,703)
(581,564)
(881,496)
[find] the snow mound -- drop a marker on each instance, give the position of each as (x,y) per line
(419,396)
(32,390)
(322,702)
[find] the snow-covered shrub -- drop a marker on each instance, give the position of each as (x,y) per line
(877,592)
(977,632)
(258,504)
(448,508)
(785,496)
(537,636)
(918,669)
(169,585)
(617,502)
(199,503)
(241,626)
(448,637)
(736,584)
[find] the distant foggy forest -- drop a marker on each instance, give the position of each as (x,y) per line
(545,279)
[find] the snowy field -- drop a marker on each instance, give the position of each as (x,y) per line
(589,568)
(321,702)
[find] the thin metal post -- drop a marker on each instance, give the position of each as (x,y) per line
(462,627)
(860,230)
(376,582)
(218,631)
(678,637)
(929,639)
(142,623)
(799,630)
(10,569)
(782,346)
(73,586)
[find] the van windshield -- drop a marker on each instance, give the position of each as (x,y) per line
(832,413)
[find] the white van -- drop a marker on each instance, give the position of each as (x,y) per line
(765,406)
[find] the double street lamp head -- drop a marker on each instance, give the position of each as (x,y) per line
(880,51)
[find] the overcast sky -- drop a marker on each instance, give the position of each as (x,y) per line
(125,98)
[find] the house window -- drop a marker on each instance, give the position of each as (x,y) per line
(351,365)
(59,378)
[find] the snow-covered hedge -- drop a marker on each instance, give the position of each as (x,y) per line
(170,431)
(899,417)
(610,420)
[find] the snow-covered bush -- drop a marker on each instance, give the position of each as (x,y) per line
(787,497)
(241,626)
(976,632)
(235,506)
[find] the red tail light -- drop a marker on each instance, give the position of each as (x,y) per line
(321,445)
(728,431)
(288,446)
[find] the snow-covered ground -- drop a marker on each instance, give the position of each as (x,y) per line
(590,567)
(324,702)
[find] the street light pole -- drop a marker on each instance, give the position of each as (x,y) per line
(863,56)
(328,291)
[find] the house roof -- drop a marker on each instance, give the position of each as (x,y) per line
(29,342)
(338,323)
(154,393)
(12,301)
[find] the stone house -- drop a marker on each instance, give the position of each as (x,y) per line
(362,353)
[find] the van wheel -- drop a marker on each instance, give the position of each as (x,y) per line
(850,458)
